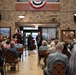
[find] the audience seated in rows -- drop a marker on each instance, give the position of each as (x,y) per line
(54,57)
(44,45)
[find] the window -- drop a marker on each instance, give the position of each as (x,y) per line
(49,33)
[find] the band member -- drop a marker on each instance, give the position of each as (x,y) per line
(39,39)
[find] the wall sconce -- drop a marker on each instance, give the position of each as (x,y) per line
(21,17)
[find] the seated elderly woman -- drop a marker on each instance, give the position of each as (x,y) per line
(44,45)
(52,48)
(42,50)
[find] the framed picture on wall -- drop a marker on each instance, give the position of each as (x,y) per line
(5,33)
(68,34)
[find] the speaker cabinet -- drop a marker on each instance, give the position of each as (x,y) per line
(74,17)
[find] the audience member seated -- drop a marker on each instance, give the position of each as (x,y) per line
(51,48)
(70,44)
(44,45)
(49,43)
(56,42)
(71,70)
(12,48)
(1,63)
(18,45)
(4,41)
(7,44)
(65,49)
(15,40)
(54,57)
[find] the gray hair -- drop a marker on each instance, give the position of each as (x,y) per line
(59,46)
(72,62)
(44,43)
(52,44)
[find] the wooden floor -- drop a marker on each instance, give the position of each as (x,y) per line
(29,65)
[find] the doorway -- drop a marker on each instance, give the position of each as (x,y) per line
(29,31)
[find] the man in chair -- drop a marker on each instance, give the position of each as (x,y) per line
(54,57)
(12,48)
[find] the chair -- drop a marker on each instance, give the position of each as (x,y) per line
(32,45)
(41,54)
(10,60)
(59,68)
(20,51)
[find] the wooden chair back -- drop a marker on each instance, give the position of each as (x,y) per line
(41,54)
(59,68)
(9,57)
(19,50)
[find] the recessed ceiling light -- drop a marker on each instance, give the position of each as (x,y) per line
(21,16)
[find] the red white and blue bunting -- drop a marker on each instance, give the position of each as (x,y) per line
(37,4)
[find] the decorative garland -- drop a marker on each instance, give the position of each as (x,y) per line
(37,4)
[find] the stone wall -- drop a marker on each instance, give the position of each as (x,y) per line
(7,4)
(64,16)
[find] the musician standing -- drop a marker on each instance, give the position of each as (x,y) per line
(39,39)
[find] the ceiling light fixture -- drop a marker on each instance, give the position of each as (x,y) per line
(21,16)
